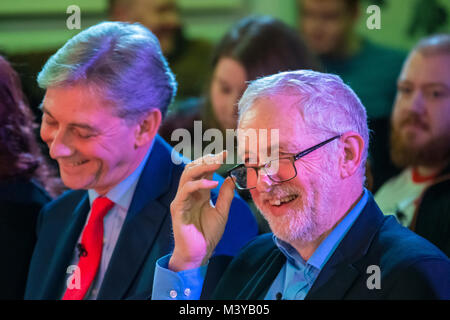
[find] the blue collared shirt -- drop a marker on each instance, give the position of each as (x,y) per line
(121,195)
(293,281)
(297,276)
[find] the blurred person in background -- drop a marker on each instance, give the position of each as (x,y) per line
(420,144)
(329,29)
(26,183)
(254,47)
(187,56)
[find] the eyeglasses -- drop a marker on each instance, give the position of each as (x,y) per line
(278,170)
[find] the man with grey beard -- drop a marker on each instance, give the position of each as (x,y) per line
(420,144)
(330,240)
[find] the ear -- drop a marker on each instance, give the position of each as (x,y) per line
(352,146)
(147,128)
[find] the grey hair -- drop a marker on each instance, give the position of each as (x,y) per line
(434,44)
(328,106)
(120,60)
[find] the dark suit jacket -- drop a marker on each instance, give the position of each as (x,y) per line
(20,203)
(433,213)
(146,234)
(410,266)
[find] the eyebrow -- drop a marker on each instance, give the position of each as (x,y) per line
(426,85)
(222,81)
(246,156)
(72,124)
(436,84)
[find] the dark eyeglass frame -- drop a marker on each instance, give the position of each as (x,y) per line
(293,157)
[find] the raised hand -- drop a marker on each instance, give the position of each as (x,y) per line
(198,225)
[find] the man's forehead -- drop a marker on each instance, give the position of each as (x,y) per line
(76,103)
(269,144)
(426,68)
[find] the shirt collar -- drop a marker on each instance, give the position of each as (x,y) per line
(122,193)
(329,244)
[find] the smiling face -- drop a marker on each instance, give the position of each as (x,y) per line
(94,148)
(421,116)
(227,86)
(297,209)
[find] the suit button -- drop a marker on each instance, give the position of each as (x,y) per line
(187,292)
(173,294)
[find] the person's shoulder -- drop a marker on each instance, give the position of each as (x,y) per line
(401,248)
(163,152)
(65,202)
(23,191)
(411,266)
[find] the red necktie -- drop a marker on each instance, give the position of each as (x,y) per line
(92,244)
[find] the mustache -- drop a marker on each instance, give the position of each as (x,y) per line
(414,119)
(279,192)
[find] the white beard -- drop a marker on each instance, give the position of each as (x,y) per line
(305,222)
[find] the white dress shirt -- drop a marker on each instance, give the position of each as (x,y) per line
(121,195)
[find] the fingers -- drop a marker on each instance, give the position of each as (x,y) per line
(203,167)
(225,197)
(193,186)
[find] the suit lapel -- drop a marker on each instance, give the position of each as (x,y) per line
(257,287)
(54,282)
(144,219)
(340,272)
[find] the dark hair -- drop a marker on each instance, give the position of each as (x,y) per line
(264,46)
(20,155)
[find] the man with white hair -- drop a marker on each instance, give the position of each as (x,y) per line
(420,144)
(330,240)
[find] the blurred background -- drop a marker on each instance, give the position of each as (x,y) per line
(33,25)
(39,27)
(31,30)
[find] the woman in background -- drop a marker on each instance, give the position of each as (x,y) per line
(26,184)
(254,47)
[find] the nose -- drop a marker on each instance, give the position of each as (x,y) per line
(59,146)
(417,103)
(264,184)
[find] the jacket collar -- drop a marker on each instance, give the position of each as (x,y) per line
(339,273)
(347,263)
(144,219)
